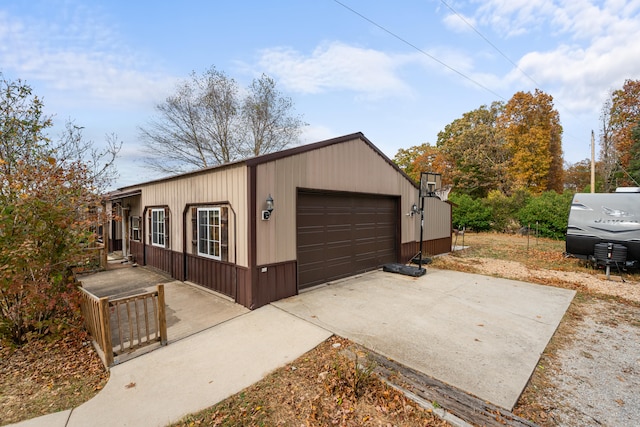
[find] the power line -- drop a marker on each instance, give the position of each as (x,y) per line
(391,33)
(489,42)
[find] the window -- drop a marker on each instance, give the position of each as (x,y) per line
(157,227)
(135,228)
(209,233)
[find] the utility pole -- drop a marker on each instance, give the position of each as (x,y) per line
(593,163)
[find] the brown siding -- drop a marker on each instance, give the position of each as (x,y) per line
(177,265)
(215,275)
(159,258)
(137,250)
(275,282)
(430,247)
(243,293)
(227,184)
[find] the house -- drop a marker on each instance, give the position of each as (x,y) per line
(265,228)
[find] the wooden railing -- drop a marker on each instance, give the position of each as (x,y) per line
(123,325)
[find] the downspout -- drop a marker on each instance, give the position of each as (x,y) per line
(143,221)
(251,203)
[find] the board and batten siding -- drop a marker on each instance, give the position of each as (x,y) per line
(228,184)
(437,220)
(352,166)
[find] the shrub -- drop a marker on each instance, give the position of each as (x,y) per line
(471,213)
(548,213)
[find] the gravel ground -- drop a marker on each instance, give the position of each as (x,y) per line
(597,377)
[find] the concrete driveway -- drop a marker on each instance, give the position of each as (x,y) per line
(481,334)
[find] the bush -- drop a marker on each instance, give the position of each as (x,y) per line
(548,213)
(471,213)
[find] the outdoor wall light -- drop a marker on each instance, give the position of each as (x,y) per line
(266,214)
(414,210)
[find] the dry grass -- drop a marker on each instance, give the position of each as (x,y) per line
(44,376)
(323,387)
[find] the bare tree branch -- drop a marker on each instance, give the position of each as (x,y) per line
(206,123)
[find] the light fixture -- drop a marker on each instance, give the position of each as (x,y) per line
(266,214)
(414,210)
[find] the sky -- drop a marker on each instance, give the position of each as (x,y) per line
(397,71)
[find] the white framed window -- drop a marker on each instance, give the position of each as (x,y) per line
(158,232)
(209,233)
(135,228)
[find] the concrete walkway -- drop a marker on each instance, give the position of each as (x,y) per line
(481,334)
(194,373)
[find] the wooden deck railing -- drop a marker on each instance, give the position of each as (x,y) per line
(123,325)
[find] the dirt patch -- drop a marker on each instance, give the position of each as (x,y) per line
(588,280)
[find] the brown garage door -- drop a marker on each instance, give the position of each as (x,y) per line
(342,234)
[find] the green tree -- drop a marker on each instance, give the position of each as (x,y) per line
(548,213)
(532,133)
(475,152)
(48,204)
(470,213)
(504,209)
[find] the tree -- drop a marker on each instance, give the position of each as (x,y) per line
(634,163)
(267,117)
(470,213)
(207,123)
(608,158)
(548,213)
(49,201)
(475,152)
(623,118)
(577,176)
(533,134)
(422,158)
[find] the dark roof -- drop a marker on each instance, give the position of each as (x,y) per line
(265,158)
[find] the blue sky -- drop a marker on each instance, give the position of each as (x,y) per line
(398,71)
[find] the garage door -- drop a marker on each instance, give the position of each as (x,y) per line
(342,234)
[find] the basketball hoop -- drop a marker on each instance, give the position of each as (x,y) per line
(443,193)
(429,183)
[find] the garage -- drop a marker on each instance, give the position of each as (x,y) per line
(342,234)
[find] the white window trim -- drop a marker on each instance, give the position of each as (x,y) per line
(135,226)
(204,254)
(153,224)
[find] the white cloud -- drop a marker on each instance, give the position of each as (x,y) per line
(459,23)
(79,54)
(335,67)
(604,53)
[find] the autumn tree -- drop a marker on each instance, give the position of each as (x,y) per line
(532,133)
(624,115)
(49,201)
(577,176)
(209,121)
(475,152)
(422,158)
(608,157)
(634,163)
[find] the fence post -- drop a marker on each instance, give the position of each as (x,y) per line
(105,326)
(162,318)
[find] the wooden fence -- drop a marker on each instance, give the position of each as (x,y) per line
(123,325)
